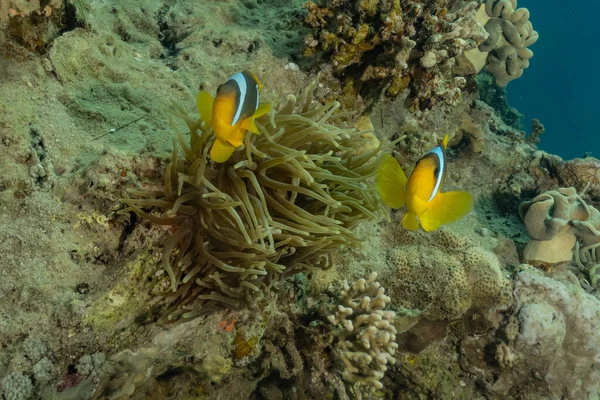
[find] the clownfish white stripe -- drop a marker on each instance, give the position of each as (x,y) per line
(240,79)
(257,97)
(439,153)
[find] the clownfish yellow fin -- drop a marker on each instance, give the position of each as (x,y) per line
(391,182)
(249,124)
(204,103)
(446,208)
(221,151)
(410,221)
(253,75)
(445,142)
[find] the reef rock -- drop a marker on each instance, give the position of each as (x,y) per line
(558,345)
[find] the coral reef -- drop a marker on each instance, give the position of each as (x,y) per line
(367,344)
(83,288)
(556,221)
(282,205)
(387,46)
(506,49)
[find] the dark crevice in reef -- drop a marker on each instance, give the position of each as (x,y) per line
(71,20)
(127,230)
(170,33)
(495,96)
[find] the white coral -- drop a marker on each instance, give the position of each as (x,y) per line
(368,342)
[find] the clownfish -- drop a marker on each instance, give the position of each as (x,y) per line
(232,112)
(421,193)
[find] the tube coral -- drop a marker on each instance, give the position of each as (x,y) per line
(282,204)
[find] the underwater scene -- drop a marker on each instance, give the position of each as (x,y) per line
(296,200)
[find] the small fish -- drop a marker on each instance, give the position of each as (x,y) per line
(421,193)
(232,112)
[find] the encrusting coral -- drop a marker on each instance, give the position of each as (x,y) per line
(556,221)
(368,340)
(383,45)
(444,275)
(282,204)
(506,50)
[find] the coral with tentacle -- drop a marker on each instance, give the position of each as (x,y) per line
(283,203)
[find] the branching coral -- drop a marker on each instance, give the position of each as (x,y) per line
(368,341)
(390,45)
(281,205)
(506,49)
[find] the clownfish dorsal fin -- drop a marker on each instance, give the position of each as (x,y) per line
(258,83)
(204,103)
(445,142)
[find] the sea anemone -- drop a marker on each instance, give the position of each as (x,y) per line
(284,203)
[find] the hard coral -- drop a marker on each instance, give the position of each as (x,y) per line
(368,340)
(581,173)
(445,275)
(282,205)
(387,45)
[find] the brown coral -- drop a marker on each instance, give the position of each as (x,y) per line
(510,33)
(283,204)
(556,220)
(581,173)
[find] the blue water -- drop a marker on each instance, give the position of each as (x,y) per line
(561,87)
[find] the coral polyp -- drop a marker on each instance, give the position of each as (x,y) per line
(282,204)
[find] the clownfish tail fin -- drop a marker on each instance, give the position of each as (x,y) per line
(446,208)
(410,222)
(221,151)
(391,182)
(204,103)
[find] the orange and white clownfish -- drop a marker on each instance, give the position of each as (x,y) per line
(421,193)
(232,112)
